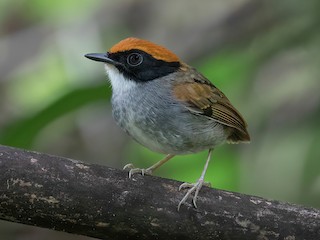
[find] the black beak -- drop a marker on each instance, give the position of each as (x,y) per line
(100,57)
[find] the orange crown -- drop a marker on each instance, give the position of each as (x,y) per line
(157,51)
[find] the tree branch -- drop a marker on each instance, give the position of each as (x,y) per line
(67,195)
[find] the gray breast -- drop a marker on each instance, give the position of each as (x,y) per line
(156,120)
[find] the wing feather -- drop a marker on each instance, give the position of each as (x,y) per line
(202,97)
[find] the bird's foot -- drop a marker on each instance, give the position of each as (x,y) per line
(133,170)
(193,187)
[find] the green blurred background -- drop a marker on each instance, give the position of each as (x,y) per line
(263,54)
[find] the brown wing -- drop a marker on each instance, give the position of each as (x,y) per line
(202,97)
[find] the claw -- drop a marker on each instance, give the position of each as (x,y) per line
(194,187)
(128,166)
(185,185)
(134,170)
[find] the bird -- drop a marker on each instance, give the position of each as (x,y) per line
(168,106)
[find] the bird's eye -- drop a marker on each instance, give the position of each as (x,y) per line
(134,59)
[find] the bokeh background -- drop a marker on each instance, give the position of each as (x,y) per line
(263,54)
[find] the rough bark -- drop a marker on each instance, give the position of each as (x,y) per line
(67,195)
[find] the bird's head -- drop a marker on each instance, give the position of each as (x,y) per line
(137,60)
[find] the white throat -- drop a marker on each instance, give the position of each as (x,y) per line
(119,83)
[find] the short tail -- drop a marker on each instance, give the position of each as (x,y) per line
(238,136)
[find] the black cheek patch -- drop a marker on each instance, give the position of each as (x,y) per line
(148,70)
